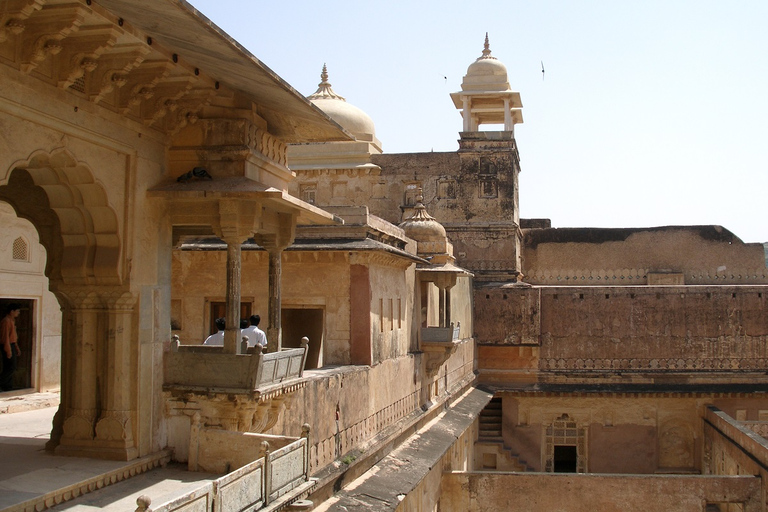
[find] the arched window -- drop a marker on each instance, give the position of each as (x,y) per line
(20,250)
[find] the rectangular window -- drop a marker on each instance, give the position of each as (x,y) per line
(399,313)
(391,315)
(381,315)
(309,193)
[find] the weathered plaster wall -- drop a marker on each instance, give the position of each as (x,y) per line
(24,278)
(702,330)
(391,311)
(624,434)
(309,280)
(732,449)
(599,257)
(346,407)
(480,492)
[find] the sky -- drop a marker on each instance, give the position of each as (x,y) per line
(649,113)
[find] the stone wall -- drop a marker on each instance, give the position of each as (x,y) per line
(481,492)
(699,330)
(732,449)
(347,407)
(22,276)
(319,280)
(619,257)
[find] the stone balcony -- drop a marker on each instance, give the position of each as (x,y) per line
(438,343)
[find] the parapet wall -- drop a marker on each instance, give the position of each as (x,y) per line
(704,255)
(481,492)
(641,329)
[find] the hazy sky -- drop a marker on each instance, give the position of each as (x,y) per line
(650,113)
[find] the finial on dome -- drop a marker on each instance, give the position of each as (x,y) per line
(324,90)
(419,210)
(486,49)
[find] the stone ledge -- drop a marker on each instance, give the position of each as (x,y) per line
(69,492)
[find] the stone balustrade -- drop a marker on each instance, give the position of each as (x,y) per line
(201,367)
(278,475)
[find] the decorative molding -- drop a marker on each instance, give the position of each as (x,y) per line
(698,364)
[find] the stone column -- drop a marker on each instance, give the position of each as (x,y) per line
(282,236)
(441,313)
(232,332)
(82,317)
(507,116)
(466,113)
(274,331)
(114,430)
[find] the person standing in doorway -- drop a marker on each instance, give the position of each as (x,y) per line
(10,346)
(255,335)
(217,338)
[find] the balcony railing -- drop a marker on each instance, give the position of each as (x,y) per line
(202,367)
(279,474)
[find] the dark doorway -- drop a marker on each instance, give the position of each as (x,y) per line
(304,322)
(219,310)
(565,459)
(22,379)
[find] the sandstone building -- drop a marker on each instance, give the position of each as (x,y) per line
(428,349)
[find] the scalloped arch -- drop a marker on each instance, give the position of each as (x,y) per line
(71,211)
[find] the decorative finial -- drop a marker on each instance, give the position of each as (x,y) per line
(420,213)
(486,49)
(324,90)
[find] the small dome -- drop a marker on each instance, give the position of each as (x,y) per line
(421,226)
(487,73)
(351,118)
(487,66)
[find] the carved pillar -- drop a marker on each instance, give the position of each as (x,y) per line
(441,312)
(235,223)
(114,430)
(284,226)
(232,332)
(82,318)
(274,331)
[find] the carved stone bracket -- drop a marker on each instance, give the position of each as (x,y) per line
(436,353)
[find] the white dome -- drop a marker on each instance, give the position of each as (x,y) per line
(486,73)
(351,118)
(485,66)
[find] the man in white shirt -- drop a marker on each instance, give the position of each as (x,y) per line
(217,338)
(255,335)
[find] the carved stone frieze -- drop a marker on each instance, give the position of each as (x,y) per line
(115,426)
(729,364)
(79,425)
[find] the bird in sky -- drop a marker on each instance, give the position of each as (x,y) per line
(542,70)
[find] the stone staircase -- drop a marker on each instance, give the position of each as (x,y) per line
(490,421)
(490,439)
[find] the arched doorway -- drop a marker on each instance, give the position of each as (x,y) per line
(23,281)
(80,231)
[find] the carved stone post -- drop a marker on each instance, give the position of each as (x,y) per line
(441,313)
(81,364)
(235,223)
(285,232)
(114,430)
(274,331)
(232,331)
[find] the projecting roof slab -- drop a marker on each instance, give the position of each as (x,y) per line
(179,27)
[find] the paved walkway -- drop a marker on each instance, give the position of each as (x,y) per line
(29,473)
